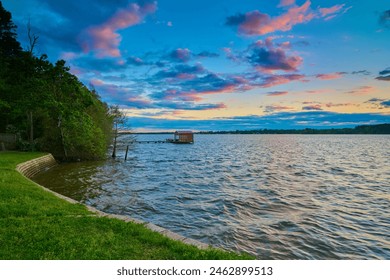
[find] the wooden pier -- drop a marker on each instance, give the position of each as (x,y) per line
(149,142)
(180,137)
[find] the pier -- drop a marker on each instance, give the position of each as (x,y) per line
(180,137)
(149,142)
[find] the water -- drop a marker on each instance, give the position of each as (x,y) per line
(273,196)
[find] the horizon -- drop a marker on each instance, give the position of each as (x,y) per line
(279,64)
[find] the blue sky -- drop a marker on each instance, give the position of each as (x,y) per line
(221,65)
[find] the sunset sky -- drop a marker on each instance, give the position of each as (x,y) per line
(223,64)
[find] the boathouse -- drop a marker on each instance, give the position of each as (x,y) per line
(183,137)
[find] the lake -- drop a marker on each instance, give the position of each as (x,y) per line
(273,196)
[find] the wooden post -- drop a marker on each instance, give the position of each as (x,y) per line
(127,149)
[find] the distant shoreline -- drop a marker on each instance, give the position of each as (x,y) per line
(362,129)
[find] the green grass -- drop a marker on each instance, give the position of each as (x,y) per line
(35,224)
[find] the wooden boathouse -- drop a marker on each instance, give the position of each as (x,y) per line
(182,137)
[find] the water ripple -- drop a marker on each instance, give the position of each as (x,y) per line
(273,196)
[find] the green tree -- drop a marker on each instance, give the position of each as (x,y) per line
(47,104)
(9,45)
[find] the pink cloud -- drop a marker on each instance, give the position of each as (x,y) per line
(332,10)
(330,76)
(285,45)
(96,82)
(104,39)
(257,23)
(277,93)
(275,80)
(284,3)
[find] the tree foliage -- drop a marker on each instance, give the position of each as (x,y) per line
(47,105)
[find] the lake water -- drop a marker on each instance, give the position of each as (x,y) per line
(273,196)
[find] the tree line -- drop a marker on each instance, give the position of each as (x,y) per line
(361,129)
(47,106)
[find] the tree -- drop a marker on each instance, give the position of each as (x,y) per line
(9,45)
(118,119)
(46,104)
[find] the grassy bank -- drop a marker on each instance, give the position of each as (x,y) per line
(35,224)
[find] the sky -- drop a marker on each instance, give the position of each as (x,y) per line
(223,64)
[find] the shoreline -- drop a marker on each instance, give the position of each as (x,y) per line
(32,167)
(39,224)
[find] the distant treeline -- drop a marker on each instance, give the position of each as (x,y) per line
(361,129)
(45,105)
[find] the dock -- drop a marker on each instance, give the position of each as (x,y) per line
(149,142)
(180,137)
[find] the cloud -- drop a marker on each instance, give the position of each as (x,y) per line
(231,55)
(276,120)
(285,3)
(277,93)
(180,55)
(330,104)
(315,107)
(181,71)
(275,80)
(207,54)
(136,61)
(274,108)
(379,103)
(98,66)
(122,95)
(258,23)
(374,100)
(330,76)
(190,106)
(329,13)
(212,84)
(133,98)
(104,39)
(361,72)
(363,90)
(384,19)
(384,75)
(265,57)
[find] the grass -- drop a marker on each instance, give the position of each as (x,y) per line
(35,224)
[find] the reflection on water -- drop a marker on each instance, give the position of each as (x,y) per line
(274,196)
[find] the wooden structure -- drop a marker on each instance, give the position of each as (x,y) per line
(182,137)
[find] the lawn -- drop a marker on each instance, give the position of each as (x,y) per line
(35,224)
